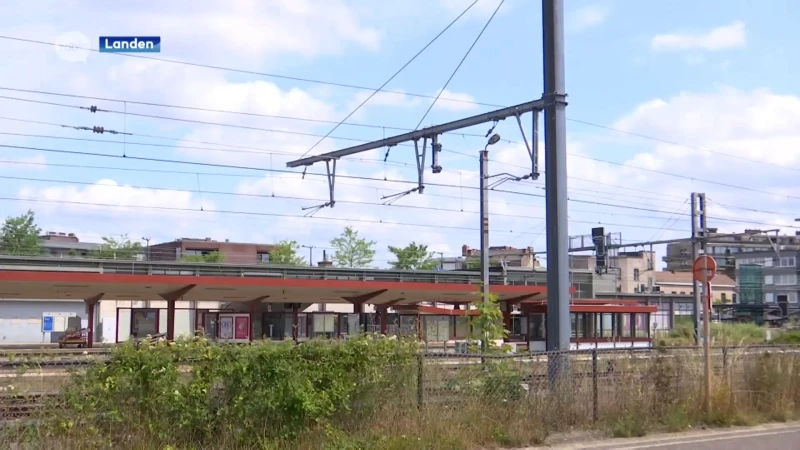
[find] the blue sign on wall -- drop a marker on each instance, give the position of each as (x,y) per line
(48,324)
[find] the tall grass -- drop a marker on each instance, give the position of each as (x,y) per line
(730,334)
(365,394)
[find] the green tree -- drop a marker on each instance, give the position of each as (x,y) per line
(475,263)
(211,257)
(20,235)
(413,257)
(352,250)
(487,326)
(285,252)
(121,248)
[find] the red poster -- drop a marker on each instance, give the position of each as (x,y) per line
(242,330)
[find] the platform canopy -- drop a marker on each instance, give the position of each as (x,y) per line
(54,285)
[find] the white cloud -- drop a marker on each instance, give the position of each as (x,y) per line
(109,192)
(448,100)
(587,17)
(481,10)
(720,38)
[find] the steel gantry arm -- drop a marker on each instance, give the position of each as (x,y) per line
(330,166)
(433,134)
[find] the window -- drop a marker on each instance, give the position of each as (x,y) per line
(733,298)
(263,257)
(325,325)
(768,279)
(724,297)
(786,279)
(769,297)
(607,325)
(635,274)
(537,327)
(623,322)
(573,319)
(768,262)
(642,326)
(787,261)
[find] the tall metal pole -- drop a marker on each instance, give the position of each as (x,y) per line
(484,200)
(695,254)
(555,136)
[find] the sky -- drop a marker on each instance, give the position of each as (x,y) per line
(665,99)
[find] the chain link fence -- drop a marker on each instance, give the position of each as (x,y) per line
(547,391)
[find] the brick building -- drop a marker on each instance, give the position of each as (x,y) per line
(234,252)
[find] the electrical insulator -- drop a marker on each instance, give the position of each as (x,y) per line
(99,130)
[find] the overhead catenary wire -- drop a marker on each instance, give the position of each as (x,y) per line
(238,175)
(460,63)
(261,169)
(315,174)
(353,202)
(376,91)
(687,177)
(265,151)
(358,87)
(255,213)
(418,207)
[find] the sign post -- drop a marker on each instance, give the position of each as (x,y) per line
(704,269)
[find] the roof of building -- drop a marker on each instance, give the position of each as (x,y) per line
(211,241)
(687,277)
(69,245)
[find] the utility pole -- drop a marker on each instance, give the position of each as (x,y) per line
(147,249)
(555,135)
(310,254)
(698,216)
(484,209)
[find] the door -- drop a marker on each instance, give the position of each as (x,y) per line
(783,304)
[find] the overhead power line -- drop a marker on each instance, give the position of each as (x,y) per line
(261,169)
(460,63)
(390,78)
(265,214)
(603,204)
(410,94)
(256,150)
(728,185)
(352,202)
(252,72)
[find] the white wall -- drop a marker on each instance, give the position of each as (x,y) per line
(21,320)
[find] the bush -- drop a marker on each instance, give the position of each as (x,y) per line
(246,393)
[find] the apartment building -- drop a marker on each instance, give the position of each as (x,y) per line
(626,272)
(723,287)
(725,249)
(501,256)
(771,276)
(234,252)
(65,245)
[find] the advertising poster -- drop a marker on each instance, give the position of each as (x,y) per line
(226,327)
(242,328)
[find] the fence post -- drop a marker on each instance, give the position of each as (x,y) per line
(420,381)
(725,361)
(594,386)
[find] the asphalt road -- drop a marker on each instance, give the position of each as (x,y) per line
(766,437)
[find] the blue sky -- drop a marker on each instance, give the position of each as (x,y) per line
(713,78)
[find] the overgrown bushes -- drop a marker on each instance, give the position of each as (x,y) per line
(377,393)
(196,391)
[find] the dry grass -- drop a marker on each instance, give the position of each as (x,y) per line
(511,403)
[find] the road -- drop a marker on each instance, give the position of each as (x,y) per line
(766,437)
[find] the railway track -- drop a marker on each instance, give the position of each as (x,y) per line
(22,406)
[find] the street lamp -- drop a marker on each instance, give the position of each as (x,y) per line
(147,241)
(484,200)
